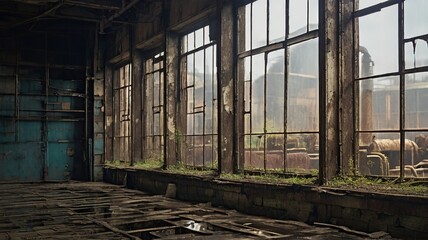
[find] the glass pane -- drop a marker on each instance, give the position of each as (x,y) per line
(198,151)
(276,21)
(416,93)
(209,117)
(244,28)
(313,14)
(247,96)
(257,101)
(302,152)
(367,3)
(190,99)
(190,126)
(247,123)
(156,125)
(416,54)
(190,70)
(149,66)
(417,155)
(259,22)
(254,152)
(184,44)
(190,41)
(303,87)
(207,35)
(247,83)
(199,38)
(199,68)
(415,18)
(275,92)
(199,123)
(381,49)
(156,89)
(208,151)
(381,156)
(298,17)
(275,152)
(188,151)
(161,89)
(379,104)
(215,117)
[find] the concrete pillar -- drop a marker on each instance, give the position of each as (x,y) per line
(329,90)
(226,81)
(347,103)
(108,100)
(172,77)
(137,71)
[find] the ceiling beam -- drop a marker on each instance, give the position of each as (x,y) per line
(94,4)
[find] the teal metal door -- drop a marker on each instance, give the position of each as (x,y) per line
(42,127)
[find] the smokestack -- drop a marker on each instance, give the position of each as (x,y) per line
(366,114)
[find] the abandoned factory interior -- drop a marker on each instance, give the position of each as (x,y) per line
(213,119)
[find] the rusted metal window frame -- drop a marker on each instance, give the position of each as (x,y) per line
(156,58)
(117,91)
(266,49)
(401,73)
(183,54)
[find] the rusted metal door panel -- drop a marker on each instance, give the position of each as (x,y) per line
(21,162)
(66,130)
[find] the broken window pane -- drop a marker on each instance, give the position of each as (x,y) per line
(382,49)
(416,93)
(416,54)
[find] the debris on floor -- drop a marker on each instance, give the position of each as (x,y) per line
(78,210)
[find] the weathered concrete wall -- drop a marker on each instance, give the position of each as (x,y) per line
(401,216)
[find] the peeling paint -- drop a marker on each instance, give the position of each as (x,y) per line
(228,97)
(109,121)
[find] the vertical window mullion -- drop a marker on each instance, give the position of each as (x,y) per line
(401,67)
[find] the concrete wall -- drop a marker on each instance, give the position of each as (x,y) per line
(401,216)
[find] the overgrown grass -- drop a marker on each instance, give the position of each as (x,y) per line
(380,185)
(271,178)
(180,168)
(151,163)
(116,163)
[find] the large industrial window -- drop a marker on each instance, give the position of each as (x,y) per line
(198,108)
(122,114)
(278,76)
(391,82)
(153,100)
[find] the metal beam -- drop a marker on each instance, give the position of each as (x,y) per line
(95,4)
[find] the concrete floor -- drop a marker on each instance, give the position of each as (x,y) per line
(78,210)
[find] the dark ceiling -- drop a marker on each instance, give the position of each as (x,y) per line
(18,14)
